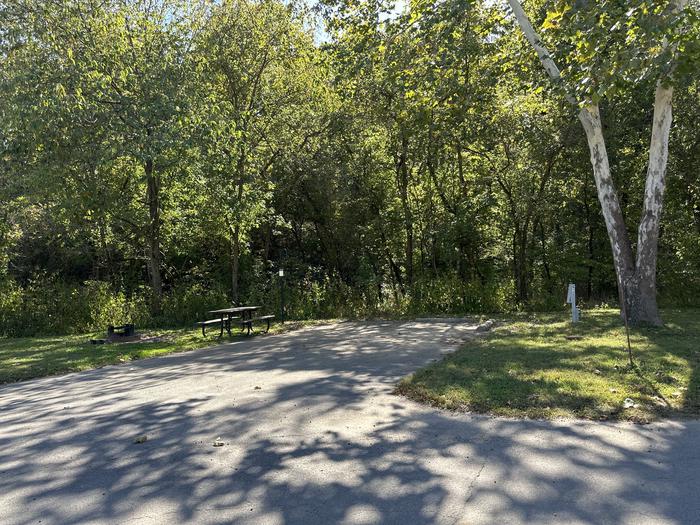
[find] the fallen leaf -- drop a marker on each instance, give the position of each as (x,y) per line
(141,439)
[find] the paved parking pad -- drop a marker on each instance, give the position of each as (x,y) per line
(312,434)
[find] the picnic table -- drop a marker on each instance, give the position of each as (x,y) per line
(226,316)
(229,314)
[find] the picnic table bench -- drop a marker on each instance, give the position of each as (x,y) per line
(218,321)
(248,323)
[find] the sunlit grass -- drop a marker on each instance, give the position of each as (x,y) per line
(528,368)
(29,357)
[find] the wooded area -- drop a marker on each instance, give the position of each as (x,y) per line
(164,157)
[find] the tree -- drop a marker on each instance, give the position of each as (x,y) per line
(412,159)
(261,72)
(636,276)
(111,93)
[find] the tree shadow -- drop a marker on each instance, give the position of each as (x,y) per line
(312,435)
(537,369)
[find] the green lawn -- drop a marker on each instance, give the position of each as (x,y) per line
(528,368)
(28,357)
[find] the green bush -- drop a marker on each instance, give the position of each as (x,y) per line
(105,306)
(49,306)
(188,303)
(311,297)
(451,295)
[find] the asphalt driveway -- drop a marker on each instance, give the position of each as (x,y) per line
(313,435)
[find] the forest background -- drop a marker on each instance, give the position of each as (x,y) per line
(160,158)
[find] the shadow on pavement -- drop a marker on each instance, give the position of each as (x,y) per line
(312,435)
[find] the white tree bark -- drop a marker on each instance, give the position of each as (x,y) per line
(607,195)
(650,222)
(636,278)
(656,178)
(590,119)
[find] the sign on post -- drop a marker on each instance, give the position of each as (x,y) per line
(571,299)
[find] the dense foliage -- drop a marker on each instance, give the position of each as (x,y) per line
(162,157)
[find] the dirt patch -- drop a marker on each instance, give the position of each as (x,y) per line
(136,338)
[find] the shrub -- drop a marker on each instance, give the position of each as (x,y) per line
(187,303)
(49,306)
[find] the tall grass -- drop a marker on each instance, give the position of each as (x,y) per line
(49,305)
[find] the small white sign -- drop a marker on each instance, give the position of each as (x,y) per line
(571,299)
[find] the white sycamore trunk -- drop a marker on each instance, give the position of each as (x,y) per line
(636,277)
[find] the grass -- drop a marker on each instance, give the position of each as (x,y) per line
(528,368)
(30,357)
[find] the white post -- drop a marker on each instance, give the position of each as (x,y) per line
(571,299)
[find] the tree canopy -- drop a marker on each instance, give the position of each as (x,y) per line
(160,157)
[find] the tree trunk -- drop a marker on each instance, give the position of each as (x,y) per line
(609,203)
(589,227)
(639,297)
(106,258)
(236,229)
(267,244)
(546,272)
(394,271)
(235,244)
(636,278)
(646,309)
(403,180)
(520,264)
(154,257)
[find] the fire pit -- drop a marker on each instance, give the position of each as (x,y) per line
(118,334)
(127,334)
(125,330)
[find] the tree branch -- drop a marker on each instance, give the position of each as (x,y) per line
(542,52)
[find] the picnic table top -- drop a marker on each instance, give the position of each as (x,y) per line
(234,309)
